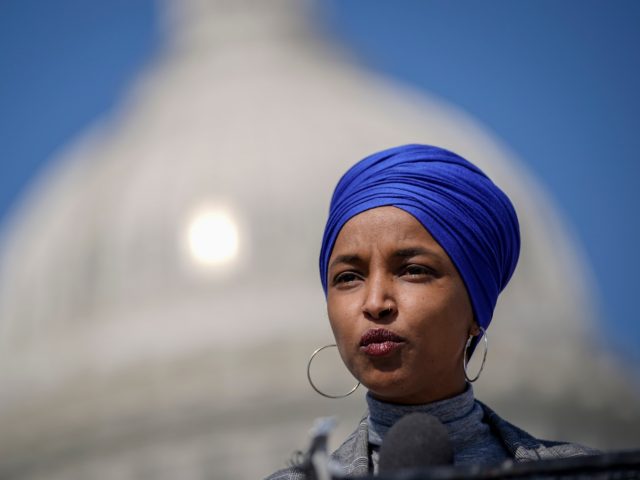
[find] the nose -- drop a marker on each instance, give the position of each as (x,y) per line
(379,302)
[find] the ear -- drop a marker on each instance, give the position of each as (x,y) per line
(474,330)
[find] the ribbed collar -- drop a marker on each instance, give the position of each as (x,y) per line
(456,413)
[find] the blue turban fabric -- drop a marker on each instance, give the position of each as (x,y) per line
(464,211)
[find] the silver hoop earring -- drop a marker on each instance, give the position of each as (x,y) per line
(318,350)
(484,356)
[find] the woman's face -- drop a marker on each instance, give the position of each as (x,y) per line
(398,308)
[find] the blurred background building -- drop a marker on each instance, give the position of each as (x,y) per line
(166,171)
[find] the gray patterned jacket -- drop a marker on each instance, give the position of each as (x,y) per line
(354,456)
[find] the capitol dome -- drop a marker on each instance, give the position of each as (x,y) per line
(159,294)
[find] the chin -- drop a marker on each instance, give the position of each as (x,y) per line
(388,389)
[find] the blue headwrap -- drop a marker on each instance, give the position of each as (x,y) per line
(464,211)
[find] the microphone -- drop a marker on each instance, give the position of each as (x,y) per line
(316,464)
(417,440)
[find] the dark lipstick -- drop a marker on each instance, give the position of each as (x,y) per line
(380,341)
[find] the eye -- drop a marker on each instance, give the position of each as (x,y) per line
(346,278)
(418,271)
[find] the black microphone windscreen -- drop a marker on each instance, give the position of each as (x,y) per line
(417,440)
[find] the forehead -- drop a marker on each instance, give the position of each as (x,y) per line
(384,227)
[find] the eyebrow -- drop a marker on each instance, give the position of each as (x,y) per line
(414,252)
(411,252)
(348,258)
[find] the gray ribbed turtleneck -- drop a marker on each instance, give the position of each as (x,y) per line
(472,440)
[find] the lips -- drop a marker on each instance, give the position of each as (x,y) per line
(380,341)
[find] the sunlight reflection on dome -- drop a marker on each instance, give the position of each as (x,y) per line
(213,237)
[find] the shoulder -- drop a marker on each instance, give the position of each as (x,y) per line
(286,474)
(352,457)
(525,447)
(290,473)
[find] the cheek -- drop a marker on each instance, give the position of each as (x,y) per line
(338,318)
(461,308)
(343,318)
(335,328)
(441,318)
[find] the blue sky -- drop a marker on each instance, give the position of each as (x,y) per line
(62,65)
(556,81)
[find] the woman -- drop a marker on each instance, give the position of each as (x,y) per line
(418,245)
